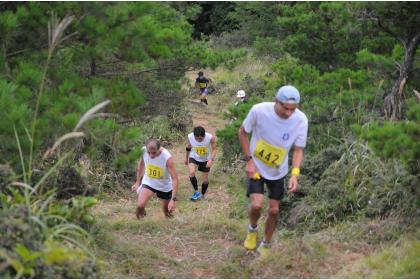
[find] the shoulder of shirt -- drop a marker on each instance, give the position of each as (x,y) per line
(166,154)
(301,114)
(263,105)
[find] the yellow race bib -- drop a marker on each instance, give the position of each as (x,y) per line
(201,150)
(154,171)
(269,154)
(203,85)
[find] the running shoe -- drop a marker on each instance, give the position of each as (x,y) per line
(264,250)
(251,240)
(196,196)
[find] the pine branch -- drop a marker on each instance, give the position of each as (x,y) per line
(144,71)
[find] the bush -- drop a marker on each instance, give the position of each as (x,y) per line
(357,185)
(39,241)
(229,135)
(397,140)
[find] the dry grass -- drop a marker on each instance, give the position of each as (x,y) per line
(228,82)
(181,247)
(204,239)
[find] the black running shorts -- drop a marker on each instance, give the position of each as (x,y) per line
(275,187)
(201,165)
(160,194)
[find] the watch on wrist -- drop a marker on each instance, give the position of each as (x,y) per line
(174,198)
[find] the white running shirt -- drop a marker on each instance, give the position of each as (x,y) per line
(200,151)
(273,137)
(156,173)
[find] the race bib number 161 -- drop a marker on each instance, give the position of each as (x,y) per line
(269,154)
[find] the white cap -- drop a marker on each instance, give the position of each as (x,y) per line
(288,94)
(240,93)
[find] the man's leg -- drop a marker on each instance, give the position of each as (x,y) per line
(164,203)
(144,196)
(270,226)
(271,222)
(254,208)
(254,212)
(192,169)
(204,98)
(205,183)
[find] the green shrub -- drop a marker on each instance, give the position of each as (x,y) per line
(398,140)
(40,241)
(356,185)
(229,135)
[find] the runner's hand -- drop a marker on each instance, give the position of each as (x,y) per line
(209,163)
(134,187)
(293,184)
(186,162)
(171,206)
(251,169)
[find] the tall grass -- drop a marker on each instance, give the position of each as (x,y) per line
(55,37)
(49,220)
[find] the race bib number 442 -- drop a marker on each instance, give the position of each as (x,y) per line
(269,154)
(154,171)
(201,151)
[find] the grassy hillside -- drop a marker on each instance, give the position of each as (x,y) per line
(204,239)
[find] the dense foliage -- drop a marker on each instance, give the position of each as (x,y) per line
(341,57)
(355,64)
(57,61)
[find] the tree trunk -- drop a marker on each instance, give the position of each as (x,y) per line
(393,100)
(93,67)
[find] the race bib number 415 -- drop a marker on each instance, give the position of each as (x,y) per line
(201,151)
(269,154)
(154,171)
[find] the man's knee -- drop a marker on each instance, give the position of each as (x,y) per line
(191,170)
(256,207)
(273,211)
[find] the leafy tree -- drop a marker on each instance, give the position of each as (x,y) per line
(103,47)
(257,19)
(327,29)
(400,21)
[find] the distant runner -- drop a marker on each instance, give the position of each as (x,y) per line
(202,83)
(156,174)
(241,97)
(201,153)
(276,127)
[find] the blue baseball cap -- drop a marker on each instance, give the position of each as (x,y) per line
(288,94)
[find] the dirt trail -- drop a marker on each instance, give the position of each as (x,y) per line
(187,246)
(204,239)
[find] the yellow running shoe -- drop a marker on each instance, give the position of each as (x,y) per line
(264,250)
(251,240)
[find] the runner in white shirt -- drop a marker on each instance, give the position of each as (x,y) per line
(201,153)
(276,128)
(156,174)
